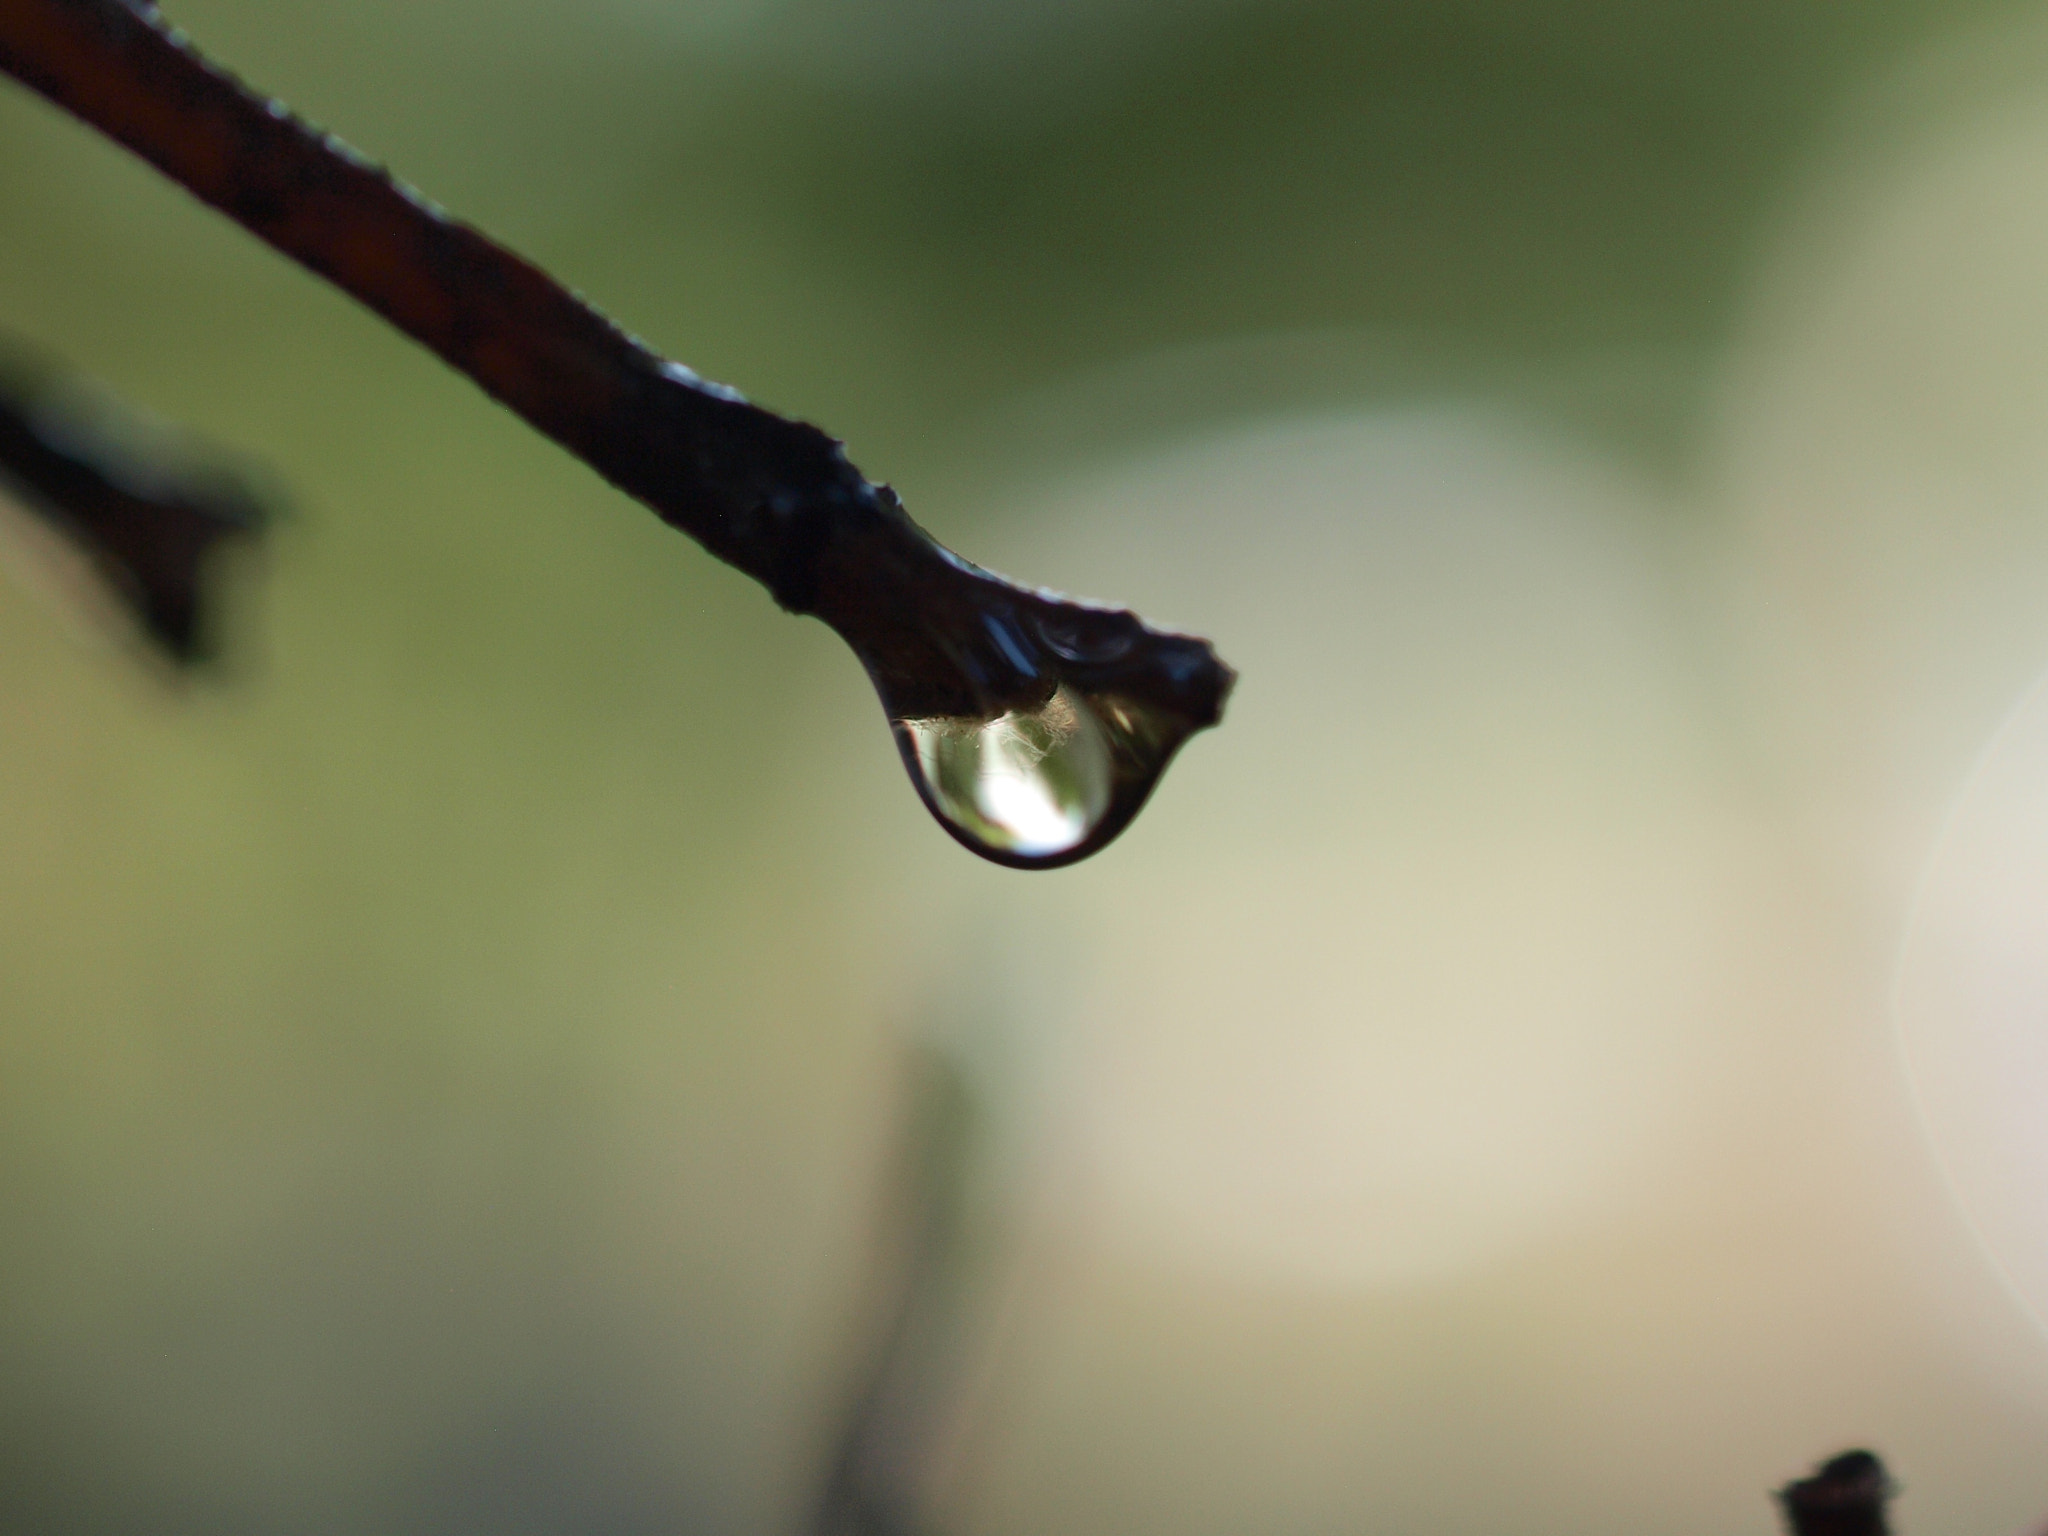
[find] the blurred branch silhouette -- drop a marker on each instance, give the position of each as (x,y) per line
(881,1461)
(148,510)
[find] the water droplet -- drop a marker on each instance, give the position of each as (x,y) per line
(1031,783)
(1034,728)
(1039,787)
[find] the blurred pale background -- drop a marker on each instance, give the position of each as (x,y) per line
(448,1070)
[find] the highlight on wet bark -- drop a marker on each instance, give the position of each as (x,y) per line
(1034,727)
(146,510)
(1845,1496)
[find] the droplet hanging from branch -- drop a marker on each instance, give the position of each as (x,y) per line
(960,657)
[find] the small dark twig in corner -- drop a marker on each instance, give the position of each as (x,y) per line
(1845,1496)
(941,638)
(150,516)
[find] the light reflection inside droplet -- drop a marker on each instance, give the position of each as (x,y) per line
(1029,782)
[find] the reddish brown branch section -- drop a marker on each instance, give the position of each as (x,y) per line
(496,317)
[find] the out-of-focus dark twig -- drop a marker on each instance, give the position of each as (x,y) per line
(882,1459)
(149,512)
(1845,1496)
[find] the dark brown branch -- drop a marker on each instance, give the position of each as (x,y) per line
(776,498)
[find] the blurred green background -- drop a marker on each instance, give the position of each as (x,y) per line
(449,1064)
